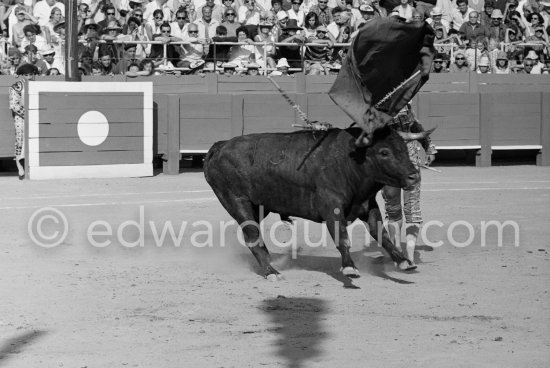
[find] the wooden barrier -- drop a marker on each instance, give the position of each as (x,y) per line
(481,113)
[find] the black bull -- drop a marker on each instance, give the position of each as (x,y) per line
(337,183)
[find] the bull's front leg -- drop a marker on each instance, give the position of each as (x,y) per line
(339,233)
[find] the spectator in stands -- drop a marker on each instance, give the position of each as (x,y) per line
(497,29)
(517,24)
(33,36)
(502,64)
(191,12)
(220,53)
(107,65)
(291,54)
(379,11)
(216,13)
(311,23)
(53,71)
(485,15)
(192,53)
(474,52)
(152,7)
(439,65)
(23,19)
(112,33)
(110,16)
(339,52)
(534,20)
(207,25)
(539,41)
(276,6)
(47,30)
(296,13)
(157,50)
(229,69)
(17,106)
(527,66)
(230,23)
(319,55)
(534,59)
(472,31)
(265,35)
(282,20)
(484,65)
(425,7)
(511,8)
(43,9)
(340,20)
(367,14)
(323,12)
(226,6)
(253,69)
(153,27)
(460,64)
(405,10)
(51,61)
(148,66)
(15,61)
(83,14)
(86,61)
(546,68)
(417,17)
(436,19)
(249,13)
(241,54)
(440,37)
(282,68)
(461,15)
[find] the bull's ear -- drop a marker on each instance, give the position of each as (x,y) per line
(416,136)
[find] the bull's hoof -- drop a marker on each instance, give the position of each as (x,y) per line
(274,277)
(407,265)
(350,272)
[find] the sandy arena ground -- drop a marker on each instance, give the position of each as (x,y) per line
(126,298)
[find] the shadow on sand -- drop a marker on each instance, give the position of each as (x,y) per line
(298,325)
(368,261)
(14,345)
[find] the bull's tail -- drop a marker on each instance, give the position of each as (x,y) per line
(212,153)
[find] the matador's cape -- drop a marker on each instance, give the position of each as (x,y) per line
(385,53)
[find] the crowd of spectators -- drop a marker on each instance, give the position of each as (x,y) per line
(144,37)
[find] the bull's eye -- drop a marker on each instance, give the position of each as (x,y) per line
(384,152)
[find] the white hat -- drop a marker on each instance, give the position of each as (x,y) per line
(532,55)
(229,66)
(275,73)
(282,63)
(484,61)
(496,14)
(366,8)
(48,51)
(282,15)
(436,11)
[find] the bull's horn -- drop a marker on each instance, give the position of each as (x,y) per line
(416,136)
(363,140)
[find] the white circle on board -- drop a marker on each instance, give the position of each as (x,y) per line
(93,128)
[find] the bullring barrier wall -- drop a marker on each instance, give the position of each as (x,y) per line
(475,112)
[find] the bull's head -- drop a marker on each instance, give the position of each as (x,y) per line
(389,154)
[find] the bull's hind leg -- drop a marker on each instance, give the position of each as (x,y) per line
(373,219)
(248,217)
